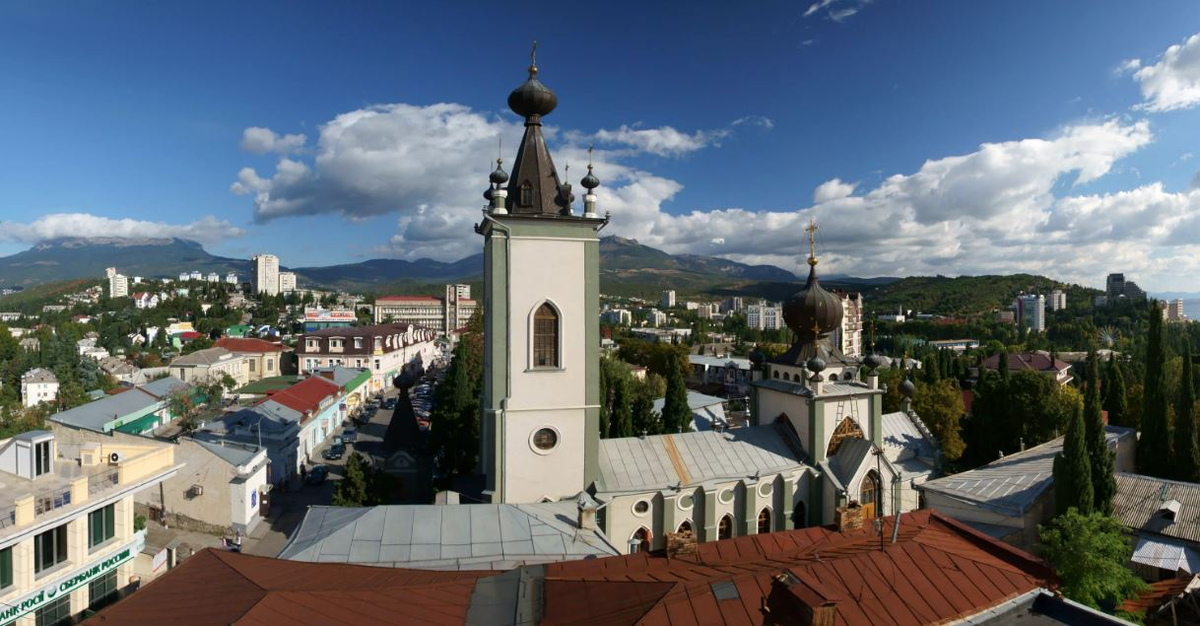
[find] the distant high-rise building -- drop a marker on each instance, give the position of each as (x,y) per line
(266,274)
(849,334)
(213,277)
(287,282)
(764,317)
(1175,310)
(1117,287)
(668,299)
(231,278)
(1030,310)
(734,303)
(1058,300)
(118,284)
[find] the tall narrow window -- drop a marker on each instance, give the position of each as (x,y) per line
(764,521)
(526,194)
(869,496)
(41,454)
(685,527)
(725,528)
(6,568)
(545,337)
(101,525)
(49,549)
(642,535)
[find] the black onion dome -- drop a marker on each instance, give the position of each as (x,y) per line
(874,361)
(498,176)
(907,388)
(488,195)
(590,181)
(816,365)
(812,308)
(532,97)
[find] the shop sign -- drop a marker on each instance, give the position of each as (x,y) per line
(64,586)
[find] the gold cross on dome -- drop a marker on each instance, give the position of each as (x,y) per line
(816,329)
(812,229)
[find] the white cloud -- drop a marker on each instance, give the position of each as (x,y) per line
(662,141)
(1174,81)
(838,13)
(207,229)
(261,140)
(833,189)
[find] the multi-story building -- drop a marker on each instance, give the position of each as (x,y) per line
(1030,311)
(617,317)
(263,359)
(287,282)
(384,349)
(445,315)
(734,303)
(1117,287)
(231,278)
(1174,310)
(849,334)
(195,275)
(210,364)
(67,536)
(118,284)
(656,318)
(766,317)
(38,385)
(668,299)
(1058,300)
(266,274)
(213,277)
(145,300)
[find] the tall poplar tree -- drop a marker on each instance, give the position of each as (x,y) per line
(1072,470)
(1115,400)
(621,422)
(1154,446)
(1104,480)
(1187,449)
(676,415)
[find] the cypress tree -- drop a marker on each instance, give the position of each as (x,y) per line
(622,414)
(1187,449)
(1104,481)
(933,370)
(1002,365)
(643,415)
(676,415)
(1154,445)
(1115,400)
(1072,471)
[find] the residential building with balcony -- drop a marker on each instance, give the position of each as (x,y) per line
(38,385)
(384,349)
(210,364)
(263,359)
(67,538)
(266,274)
(764,317)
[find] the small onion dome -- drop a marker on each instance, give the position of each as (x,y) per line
(487,195)
(757,357)
(874,361)
(499,176)
(907,388)
(812,311)
(816,365)
(532,97)
(590,181)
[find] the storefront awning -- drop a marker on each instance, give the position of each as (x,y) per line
(139,425)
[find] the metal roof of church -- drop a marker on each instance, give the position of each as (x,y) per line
(661,461)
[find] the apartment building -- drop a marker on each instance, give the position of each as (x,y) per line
(67,537)
(668,299)
(118,284)
(266,274)
(764,317)
(262,359)
(1058,300)
(210,364)
(849,333)
(384,349)
(287,282)
(1030,310)
(446,314)
(38,385)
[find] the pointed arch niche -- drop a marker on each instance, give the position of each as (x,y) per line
(545,337)
(848,429)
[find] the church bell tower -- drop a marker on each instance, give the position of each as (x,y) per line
(541,398)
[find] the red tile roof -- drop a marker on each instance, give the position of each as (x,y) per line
(218,587)
(1027,361)
(1157,595)
(938,570)
(305,395)
(236,344)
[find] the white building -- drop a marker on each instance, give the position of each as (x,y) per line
(849,334)
(1030,310)
(118,284)
(1174,311)
(656,318)
(231,278)
(210,364)
(144,300)
(764,317)
(1058,300)
(195,275)
(213,277)
(617,317)
(668,299)
(67,541)
(38,385)
(384,349)
(266,274)
(446,314)
(287,282)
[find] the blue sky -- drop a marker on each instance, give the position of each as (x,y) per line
(720,128)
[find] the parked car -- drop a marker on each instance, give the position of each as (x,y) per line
(390,404)
(318,474)
(334,452)
(350,435)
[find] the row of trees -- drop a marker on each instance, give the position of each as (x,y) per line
(1168,446)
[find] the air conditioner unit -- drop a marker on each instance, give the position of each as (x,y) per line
(115,457)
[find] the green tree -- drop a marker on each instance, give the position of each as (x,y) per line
(1104,481)
(676,416)
(1073,470)
(1154,445)
(351,490)
(199,343)
(940,406)
(1089,552)
(1187,449)
(1115,399)
(642,413)
(622,416)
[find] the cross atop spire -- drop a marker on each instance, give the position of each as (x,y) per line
(812,240)
(533,60)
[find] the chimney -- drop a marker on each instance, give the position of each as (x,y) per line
(849,517)
(586,507)
(681,544)
(804,601)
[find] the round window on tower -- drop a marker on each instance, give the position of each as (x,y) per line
(544,440)
(641,507)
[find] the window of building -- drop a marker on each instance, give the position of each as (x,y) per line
(764,521)
(251,365)
(101,525)
(641,507)
(49,549)
(41,455)
(869,495)
(526,194)
(358,343)
(102,591)
(270,365)
(6,570)
(545,336)
(725,528)
(684,527)
(642,537)
(56,612)
(545,439)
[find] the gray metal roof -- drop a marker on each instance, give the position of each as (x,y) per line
(650,463)
(706,409)
(39,375)
(207,356)
(1011,484)
(162,386)
(902,431)
(849,458)
(712,361)
(1139,499)
(445,537)
(235,454)
(94,415)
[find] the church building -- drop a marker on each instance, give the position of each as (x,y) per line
(818,442)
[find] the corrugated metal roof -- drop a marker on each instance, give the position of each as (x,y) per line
(1139,498)
(639,464)
(1165,554)
(712,361)
(1011,484)
(450,537)
(94,415)
(706,410)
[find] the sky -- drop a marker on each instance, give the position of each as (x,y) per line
(1057,138)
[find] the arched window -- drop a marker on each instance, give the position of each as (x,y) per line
(786,376)
(685,527)
(764,521)
(725,528)
(869,496)
(545,336)
(642,535)
(800,516)
(526,198)
(848,429)
(776,374)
